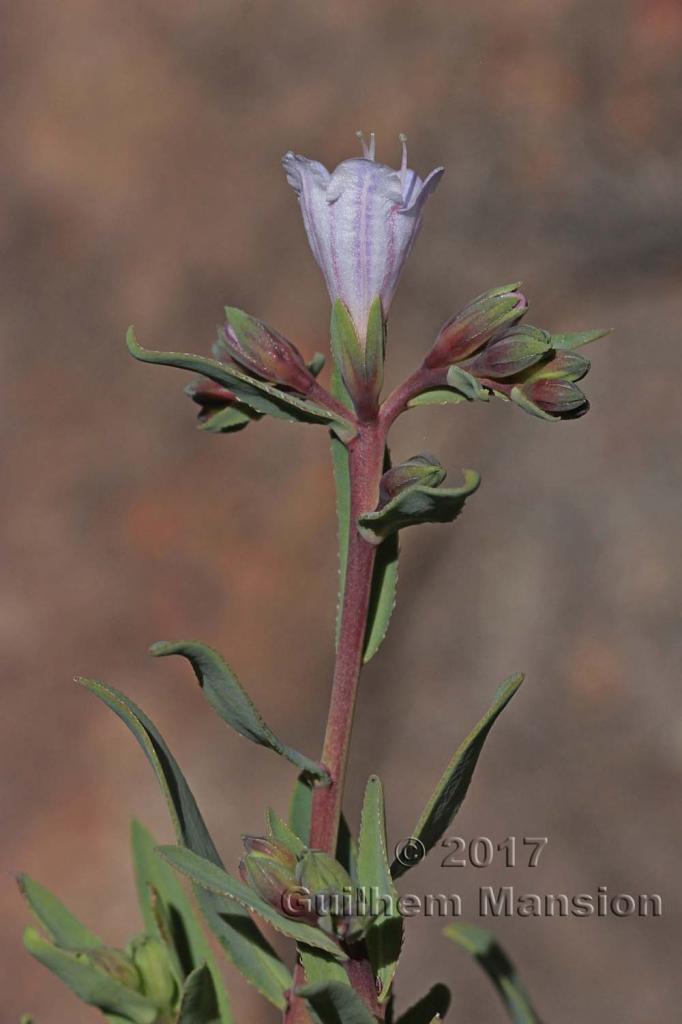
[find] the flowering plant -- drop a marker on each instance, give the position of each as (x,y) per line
(309,875)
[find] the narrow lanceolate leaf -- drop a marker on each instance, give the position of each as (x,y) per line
(383,595)
(497,965)
(418,504)
(168,914)
(385,575)
(300,809)
(432,1007)
(226,696)
(258,395)
(449,794)
(236,932)
(199,1004)
(321,968)
(217,880)
(336,1003)
(384,936)
(438,396)
(578,339)
(228,420)
(60,924)
(91,985)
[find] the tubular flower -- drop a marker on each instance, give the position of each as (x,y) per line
(362,221)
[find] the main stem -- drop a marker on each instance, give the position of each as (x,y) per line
(366,459)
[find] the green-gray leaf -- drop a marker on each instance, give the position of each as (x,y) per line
(256,394)
(384,936)
(438,396)
(301,807)
(497,965)
(168,914)
(417,505)
(199,1003)
(65,929)
(578,339)
(216,879)
(229,700)
(385,574)
(93,986)
(236,932)
(283,834)
(449,794)
(336,1003)
(226,421)
(321,968)
(433,1006)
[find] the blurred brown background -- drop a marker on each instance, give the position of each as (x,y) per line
(142,184)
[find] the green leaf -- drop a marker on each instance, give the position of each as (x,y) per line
(258,395)
(236,932)
(168,914)
(336,1003)
(384,936)
(418,504)
(467,385)
(283,834)
(383,595)
(497,965)
(321,968)
(449,794)
(91,985)
(228,699)
(65,929)
(385,575)
(225,421)
(301,807)
(199,1003)
(437,396)
(216,880)
(432,1007)
(577,340)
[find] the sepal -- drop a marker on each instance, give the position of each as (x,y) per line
(361,367)
(262,352)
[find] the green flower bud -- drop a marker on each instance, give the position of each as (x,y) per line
(517,350)
(476,325)
(320,873)
(116,964)
(563,366)
(152,961)
(268,877)
(420,469)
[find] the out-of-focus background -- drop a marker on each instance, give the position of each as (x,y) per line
(142,184)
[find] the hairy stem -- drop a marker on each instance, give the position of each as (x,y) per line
(366,457)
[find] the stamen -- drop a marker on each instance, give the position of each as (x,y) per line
(368,151)
(403,141)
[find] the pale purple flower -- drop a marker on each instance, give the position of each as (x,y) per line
(362,221)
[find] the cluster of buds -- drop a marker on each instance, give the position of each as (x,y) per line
(486,349)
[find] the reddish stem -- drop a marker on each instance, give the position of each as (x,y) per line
(366,459)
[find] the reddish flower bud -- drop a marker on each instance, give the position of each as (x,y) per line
(263,352)
(476,325)
(562,366)
(209,396)
(557,397)
(517,350)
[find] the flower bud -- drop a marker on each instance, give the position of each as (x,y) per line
(209,396)
(517,350)
(557,397)
(117,964)
(263,352)
(562,366)
(270,848)
(321,875)
(152,961)
(476,325)
(420,469)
